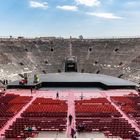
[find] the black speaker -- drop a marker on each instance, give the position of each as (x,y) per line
(71,64)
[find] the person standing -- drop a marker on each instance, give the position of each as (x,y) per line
(6,82)
(73,133)
(70,119)
(81,96)
(57,95)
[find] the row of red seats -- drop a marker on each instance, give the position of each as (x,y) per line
(47,108)
(44,114)
(7,98)
(48,101)
(95,108)
(93,101)
(128,109)
(3,120)
(122,100)
(15,108)
(20,100)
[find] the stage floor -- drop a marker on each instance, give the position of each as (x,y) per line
(85,80)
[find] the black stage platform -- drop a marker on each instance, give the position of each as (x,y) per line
(74,79)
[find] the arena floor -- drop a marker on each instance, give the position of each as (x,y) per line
(71,94)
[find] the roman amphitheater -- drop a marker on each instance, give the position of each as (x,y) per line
(115,57)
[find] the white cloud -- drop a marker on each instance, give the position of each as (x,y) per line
(104,15)
(132,4)
(89,2)
(68,8)
(35,4)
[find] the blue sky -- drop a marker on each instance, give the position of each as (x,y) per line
(90,18)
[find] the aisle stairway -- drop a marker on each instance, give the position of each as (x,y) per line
(71,110)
